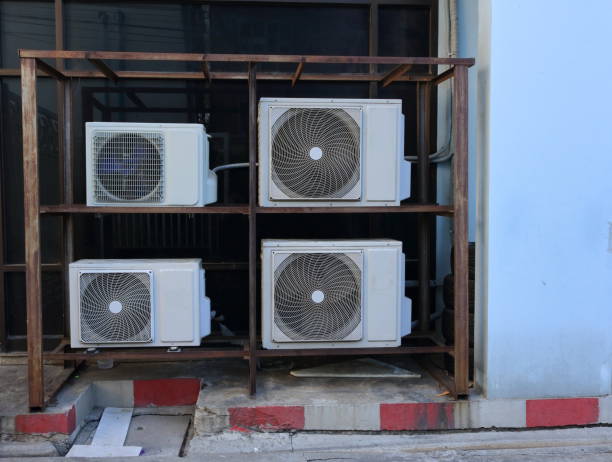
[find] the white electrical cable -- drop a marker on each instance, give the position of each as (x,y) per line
(230,166)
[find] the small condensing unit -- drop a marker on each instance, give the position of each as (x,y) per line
(147,164)
(138,303)
(333,294)
(332,152)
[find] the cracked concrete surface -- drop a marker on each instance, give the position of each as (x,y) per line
(553,444)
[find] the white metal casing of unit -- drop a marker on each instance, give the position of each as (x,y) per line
(385,312)
(175,173)
(384,174)
(177,305)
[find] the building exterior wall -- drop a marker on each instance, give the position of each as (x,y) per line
(544,204)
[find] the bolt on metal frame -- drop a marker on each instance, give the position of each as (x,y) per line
(32,63)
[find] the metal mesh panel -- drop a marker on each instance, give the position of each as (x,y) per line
(315,153)
(317,296)
(128,166)
(115,307)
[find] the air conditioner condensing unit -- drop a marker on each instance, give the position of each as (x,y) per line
(333,294)
(331,152)
(138,303)
(147,164)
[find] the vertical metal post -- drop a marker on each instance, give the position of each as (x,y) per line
(64,118)
(374,220)
(3,325)
(68,197)
(373,46)
(32,233)
(252,229)
(423,219)
(460,231)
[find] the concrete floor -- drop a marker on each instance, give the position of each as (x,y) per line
(13,383)
(275,386)
(157,435)
(564,445)
(225,383)
(574,444)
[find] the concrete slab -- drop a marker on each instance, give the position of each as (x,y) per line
(285,402)
(348,400)
(13,383)
(27,449)
(605,410)
(158,435)
(225,385)
(567,454)
(114,393)
(235,442)
(103,452)
(357,368)
(346,417)
(481,413)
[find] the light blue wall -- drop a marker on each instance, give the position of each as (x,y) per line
(543,140)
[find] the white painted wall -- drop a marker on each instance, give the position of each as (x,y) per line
(542,140)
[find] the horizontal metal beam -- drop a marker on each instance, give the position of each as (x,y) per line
(411,208)
(20,267)
(244,210)
(56,267)
(147,355)
(341,77)
(241,58)
(81,208)
(418,3)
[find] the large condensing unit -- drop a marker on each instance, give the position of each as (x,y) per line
(331,152)
(333,294)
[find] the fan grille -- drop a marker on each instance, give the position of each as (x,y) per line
(115,307)
(315,153)
(317,296)
(128,166)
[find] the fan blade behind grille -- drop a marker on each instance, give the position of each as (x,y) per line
(115,307)
(315,153)
(317,296)
(128,166)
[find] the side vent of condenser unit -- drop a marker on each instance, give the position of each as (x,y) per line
(115,307)
(315,153)
(317,296)
(128,166)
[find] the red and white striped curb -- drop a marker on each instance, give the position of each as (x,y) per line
(477,413)
(121,393)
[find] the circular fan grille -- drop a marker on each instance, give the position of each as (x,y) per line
(315,153)
(317,296)
(115,307)
(129,166)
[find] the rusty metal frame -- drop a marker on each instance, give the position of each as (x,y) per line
(30,62)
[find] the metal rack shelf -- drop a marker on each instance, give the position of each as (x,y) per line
(32,65)
(411,208)
(243,209)
(82,209)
